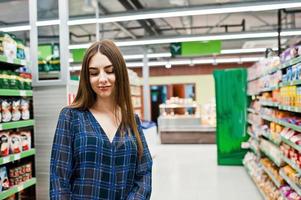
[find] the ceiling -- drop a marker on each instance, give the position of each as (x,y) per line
(16,12)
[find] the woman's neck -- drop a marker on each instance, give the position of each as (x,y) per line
(104,105)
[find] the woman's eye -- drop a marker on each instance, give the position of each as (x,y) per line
(111,71)
(93,73)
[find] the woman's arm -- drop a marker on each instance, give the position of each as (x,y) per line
(61,158)
(143,178)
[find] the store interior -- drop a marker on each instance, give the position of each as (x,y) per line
(215,83)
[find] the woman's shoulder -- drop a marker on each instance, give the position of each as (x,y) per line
(71,112)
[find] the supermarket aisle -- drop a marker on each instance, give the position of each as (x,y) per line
(190,172)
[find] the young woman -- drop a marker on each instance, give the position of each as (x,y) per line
(99,150)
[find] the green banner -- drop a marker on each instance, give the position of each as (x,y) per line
(78,55)
(196,48)
(231,115)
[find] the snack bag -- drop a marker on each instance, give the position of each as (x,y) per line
(25,140)
(25,109)
(15,143)
(4,144)
(6,110)
(4,182)
(16,114)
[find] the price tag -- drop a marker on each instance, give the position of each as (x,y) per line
(20,188)
(6,159)
(22,93)
(17,156)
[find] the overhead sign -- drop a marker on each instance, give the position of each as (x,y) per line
(196,48)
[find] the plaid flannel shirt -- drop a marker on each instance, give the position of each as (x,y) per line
(85,165)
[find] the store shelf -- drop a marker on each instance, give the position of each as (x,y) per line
(295,82)
(269,137)
(251,110)
(15,61)
(293,185)
(289,125)
(271,71)
(251,122)
(271,119)
(272,177)
(14,157)
(8,92)
(17,124)
(295,146)
(290,108)
(271,157)
(269,103)
(259,189)
(290,62)
(17,188)
(291,163)
(269,89)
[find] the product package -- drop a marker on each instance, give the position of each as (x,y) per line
(6,110)
(4,182)
(25,109)
(15,143)
(16,113)
(4,143)
(25,140)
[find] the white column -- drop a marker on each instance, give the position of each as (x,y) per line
(146,88)
(33,47)
(64,40)
(97,24)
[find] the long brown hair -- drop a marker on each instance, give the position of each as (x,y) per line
(86,97)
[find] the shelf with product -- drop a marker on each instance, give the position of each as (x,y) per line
(17,155)
(136,93)
(261,179)
(275,87)
(180,118)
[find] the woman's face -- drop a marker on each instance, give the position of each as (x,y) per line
(102,76)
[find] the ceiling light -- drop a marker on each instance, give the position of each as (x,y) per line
(240,51)
(168,40)
(16,28)
(152,55)
(168,65)
(184,11)
(291,33)
(195,61)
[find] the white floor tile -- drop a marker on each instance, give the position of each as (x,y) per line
(190,172)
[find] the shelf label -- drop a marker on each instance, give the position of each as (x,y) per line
(17,156)
(22,93)
(6,159)
(20,188)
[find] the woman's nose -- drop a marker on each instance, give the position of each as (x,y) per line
(103,77)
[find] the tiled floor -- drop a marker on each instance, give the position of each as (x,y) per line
(190,172)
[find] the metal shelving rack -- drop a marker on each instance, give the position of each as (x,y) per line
(29,154)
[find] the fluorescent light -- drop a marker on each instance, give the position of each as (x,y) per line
(16,28)
(80,46)
(195,61)
(227,60)
(201,10)
(48,22)
(186,39)
(151,55)
(240,51)
(291,33)
(75,68)
(197,38)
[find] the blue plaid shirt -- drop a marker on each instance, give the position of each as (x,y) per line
(85,165)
